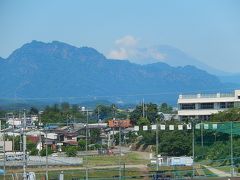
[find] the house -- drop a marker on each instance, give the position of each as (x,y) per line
(70,138)
(50,140)
(168,117)
(119,123)
(202,106)
(66,136)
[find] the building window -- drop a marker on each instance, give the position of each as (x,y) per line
(69,138)
(222,105)
(207,106)
(229,104)
(187,106)
(237,104)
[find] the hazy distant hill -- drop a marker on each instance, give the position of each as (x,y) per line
(234,78)
(176,57)
(54,70)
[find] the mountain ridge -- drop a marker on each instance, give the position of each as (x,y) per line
(56,69)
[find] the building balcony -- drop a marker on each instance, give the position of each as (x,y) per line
(198,112)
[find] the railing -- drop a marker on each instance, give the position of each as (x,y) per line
(189,96)
(227,95)
(218,95)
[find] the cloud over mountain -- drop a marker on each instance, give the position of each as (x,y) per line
(128,47)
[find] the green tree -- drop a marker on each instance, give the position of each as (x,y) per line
(65,106)
(136,114)
(143,121)
(149,138)
(228,115)
(54,114)
(33,111)
(104,112)
(71,151)
(175,143)
(165,108)
(150,111)
(95,135)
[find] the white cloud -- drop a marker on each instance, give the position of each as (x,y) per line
(155,54)
(120,53)
(127,41)
(127,47)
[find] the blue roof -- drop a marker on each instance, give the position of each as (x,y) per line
(1,171)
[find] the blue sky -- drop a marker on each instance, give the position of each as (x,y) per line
(208,30)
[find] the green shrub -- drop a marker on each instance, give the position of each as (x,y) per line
(71,151)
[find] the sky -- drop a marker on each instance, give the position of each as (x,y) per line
(206,30)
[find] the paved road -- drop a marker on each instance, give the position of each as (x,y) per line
(217,172)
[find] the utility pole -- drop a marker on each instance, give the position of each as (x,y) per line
(120,152)
(86,155)
(21,142)
(202,126)
(40,135)
(13,143)
(157,160)
(24,147)
(46,148)
(143,109)
(4,154)
(193,145)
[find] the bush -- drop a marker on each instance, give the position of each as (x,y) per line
(43,151)
(71,151)
(82,145)
(34,152)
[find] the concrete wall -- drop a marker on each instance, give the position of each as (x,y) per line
(8,145)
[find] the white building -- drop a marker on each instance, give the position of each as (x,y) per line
(202,106)
(17,122)
(8,146)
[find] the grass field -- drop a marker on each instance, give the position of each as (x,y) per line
(107,167)
(130,158)
(99,167)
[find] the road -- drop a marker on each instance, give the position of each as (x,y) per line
(40,161)
(219,173)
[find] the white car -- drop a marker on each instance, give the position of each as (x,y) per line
(54,155)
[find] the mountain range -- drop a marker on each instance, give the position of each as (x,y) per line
(57,70)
